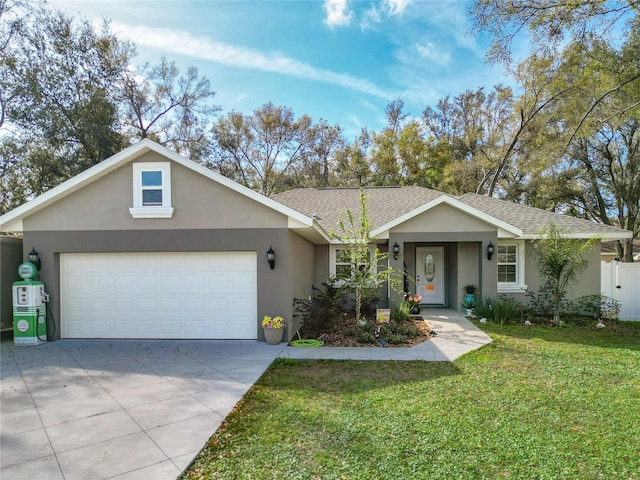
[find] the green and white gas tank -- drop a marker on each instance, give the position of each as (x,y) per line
(29,308)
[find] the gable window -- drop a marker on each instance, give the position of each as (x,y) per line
(511,260)
(341,266)
(152,190)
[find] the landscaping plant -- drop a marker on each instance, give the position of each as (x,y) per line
(560,261)
(506,310)
(401,313)
(365,277)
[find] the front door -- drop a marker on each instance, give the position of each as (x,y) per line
(430,274)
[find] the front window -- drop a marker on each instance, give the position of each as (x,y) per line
(510,263)
(343,267)
(152,190)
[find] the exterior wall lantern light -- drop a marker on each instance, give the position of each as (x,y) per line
(34,258)
(396,250)
(271,258)
(490,250)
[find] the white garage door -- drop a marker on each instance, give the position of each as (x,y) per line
(159,295)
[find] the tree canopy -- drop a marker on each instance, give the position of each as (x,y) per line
(565,138)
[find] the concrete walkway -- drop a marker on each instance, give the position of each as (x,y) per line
(455,336)
(128,409)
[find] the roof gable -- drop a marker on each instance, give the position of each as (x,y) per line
(504,228)
(13,220)
(327,205)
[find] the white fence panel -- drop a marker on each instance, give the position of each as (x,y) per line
(622,281)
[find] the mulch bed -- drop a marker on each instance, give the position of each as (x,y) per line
(339,334)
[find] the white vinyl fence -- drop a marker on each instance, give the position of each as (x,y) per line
(622,281)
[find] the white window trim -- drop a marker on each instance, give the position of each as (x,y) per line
(332,260)
(156,211)
(518,286)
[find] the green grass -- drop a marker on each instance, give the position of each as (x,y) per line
(537,403)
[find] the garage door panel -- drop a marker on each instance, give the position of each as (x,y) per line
(124,305)
(159,295)
(146,283)
(195,304)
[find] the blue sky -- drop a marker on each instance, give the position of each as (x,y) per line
(340,60)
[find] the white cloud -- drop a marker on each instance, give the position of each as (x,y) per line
(371,17)
(395,7)
(241,57)
(338,13)
(376,13)
(430,52)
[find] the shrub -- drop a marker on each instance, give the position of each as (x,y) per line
(507,310)
(407,330)
(393,333)
(596,306)
(401,313)
(541,304)
(484,309)
(369,303)
(588,306)
(320,314)
(504,309)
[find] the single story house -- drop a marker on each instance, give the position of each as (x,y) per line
(149,244)
(609,251)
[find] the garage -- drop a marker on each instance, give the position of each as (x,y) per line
(169,295)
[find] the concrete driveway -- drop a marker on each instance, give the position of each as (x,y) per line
(118,409)
(82,409)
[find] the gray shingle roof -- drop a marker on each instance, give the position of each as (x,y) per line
(385,204)
(531,220)
(610,247)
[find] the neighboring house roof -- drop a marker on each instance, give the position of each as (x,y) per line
(609,249)
(388,206)
(12,221)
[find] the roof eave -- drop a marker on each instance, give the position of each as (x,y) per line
(619,235)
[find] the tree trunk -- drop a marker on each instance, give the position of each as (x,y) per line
(628,250)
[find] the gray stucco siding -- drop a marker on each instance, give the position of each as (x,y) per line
(444,219)
(587,283)
(198,203)
(273,292)
(301,265)
(321,265)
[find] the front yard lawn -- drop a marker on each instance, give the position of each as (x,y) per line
(537,403)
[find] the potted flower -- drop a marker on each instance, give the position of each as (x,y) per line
(413,300)
(470,293)
(273,329)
